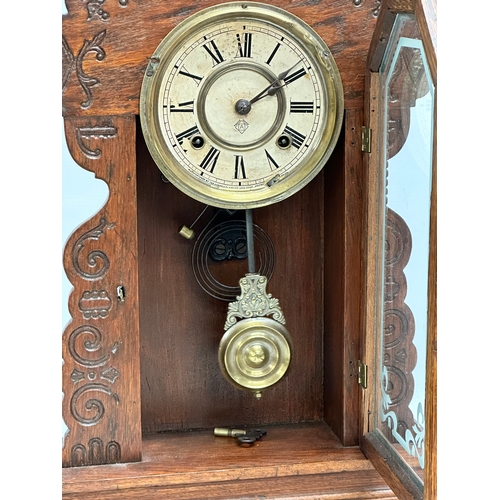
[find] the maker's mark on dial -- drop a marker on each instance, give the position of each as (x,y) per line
(241,126)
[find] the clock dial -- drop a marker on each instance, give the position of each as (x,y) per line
(243,106)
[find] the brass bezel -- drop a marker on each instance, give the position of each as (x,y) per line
(326,69)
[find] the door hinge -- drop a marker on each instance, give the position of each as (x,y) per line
(362,374)
(366,139)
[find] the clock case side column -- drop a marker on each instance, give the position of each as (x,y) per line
(101,372)
(343,286)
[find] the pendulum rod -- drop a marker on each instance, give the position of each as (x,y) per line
(250,248)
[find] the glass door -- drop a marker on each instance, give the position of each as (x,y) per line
(406,133)
(400,258)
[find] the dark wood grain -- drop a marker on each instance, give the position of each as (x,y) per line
(426,13)
(353,283)
(104,60)
(430,480)
(181,325)
(343,285)
(186,460)
(353,485)
(380,39)
(334,290)
(101,343)
(391,469)
(371,260)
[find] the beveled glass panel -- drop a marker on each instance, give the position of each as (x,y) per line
(407,97)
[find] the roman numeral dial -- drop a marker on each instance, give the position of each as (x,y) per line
(240,110)
(210,160)
(294,76)
(184,72)
(186,134)
(182,107)
(239,167)
(302,107)
(214,52)
(244,44)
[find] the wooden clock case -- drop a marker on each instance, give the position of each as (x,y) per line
(142,386)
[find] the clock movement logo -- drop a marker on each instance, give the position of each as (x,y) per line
(241,126)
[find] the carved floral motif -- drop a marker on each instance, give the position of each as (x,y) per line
(95,10)
(95,368)
(94,408)
(110,374)
(70,63)
(94,257)
(91,345)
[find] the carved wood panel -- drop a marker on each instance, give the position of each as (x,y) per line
(399,353)
(101,404)
(105,49)
(104,59)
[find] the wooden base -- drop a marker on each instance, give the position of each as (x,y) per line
(300,461)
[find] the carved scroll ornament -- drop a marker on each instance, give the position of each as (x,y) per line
(71,63)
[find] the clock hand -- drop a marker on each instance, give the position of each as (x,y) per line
(271,89)
(243,106)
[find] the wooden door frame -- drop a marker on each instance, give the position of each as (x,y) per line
(396,477)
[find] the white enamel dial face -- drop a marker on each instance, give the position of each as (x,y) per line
(238,112)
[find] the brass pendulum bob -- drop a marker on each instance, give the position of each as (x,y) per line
(256,350)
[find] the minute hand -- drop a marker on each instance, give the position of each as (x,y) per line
(280,78)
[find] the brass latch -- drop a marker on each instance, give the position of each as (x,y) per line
(366,139)
(362,374)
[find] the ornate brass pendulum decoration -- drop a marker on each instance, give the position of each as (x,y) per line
(256,350)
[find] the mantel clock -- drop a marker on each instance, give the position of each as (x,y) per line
(241,191)
(241,106)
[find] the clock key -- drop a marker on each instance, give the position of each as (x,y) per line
(246,437)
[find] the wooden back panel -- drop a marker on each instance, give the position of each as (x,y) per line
(181,325)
